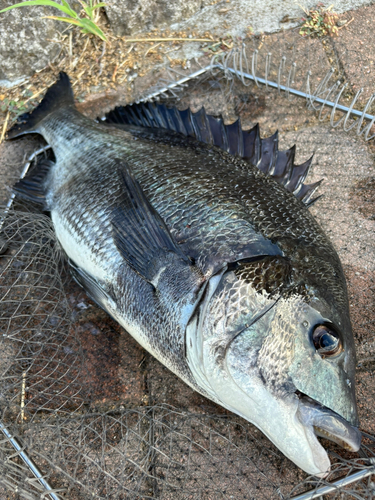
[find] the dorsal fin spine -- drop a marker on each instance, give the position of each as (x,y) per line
(151,110)
(251,140)
(268,155)
(298,175)
(163,116)
(201,126)
(142,116)
(262,153)
(235,142)
(186,119)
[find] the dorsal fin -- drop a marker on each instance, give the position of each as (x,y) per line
(262,153)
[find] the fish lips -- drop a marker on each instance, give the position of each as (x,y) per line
(323,422)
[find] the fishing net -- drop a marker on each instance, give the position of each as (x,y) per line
(86,412)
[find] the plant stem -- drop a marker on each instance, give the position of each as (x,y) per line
(146,40)
(4,128)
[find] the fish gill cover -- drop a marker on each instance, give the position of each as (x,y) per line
(97,421)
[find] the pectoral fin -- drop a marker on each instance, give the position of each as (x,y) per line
(140,234)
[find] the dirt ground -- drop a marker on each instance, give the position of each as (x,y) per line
(117,369)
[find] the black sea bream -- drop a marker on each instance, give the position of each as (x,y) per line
(196,238)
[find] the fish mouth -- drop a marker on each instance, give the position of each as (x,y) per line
(320,421)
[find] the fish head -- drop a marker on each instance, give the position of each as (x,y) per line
(280,360)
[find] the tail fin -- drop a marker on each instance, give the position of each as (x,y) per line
(59,95)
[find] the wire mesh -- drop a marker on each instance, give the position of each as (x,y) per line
(98,423)
(305,72)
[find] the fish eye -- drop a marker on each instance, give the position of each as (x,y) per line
(327,341)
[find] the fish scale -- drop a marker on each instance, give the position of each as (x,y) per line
(209,214)
(221,211)
(214,266)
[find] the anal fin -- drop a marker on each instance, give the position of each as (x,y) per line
(92,287)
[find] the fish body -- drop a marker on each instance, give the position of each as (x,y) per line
(213,266)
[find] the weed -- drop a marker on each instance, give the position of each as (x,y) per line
(320,21)
(13,106)
(87,24)
(223,45)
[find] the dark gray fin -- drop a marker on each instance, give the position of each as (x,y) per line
(268,154)
(306,192)
(93,289)
(262,153)
(140,234)
(31,187)
(235,138)
(59,95)
(252,145)
(298,175)
(284,165)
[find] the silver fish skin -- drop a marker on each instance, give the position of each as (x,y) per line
(211,265)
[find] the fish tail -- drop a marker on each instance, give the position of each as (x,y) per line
(59,95)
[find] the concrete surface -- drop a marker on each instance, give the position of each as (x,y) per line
(236,16)
(133,16)
(355,48)
(28,42)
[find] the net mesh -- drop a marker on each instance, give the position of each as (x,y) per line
(98,417)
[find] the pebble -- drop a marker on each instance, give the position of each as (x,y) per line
(82,305)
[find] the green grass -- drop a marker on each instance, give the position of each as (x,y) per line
(87,24)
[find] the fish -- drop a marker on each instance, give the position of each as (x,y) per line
(196,237)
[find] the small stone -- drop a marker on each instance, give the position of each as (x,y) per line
(82,305)
(68,350)
(341,22)
(53,320)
